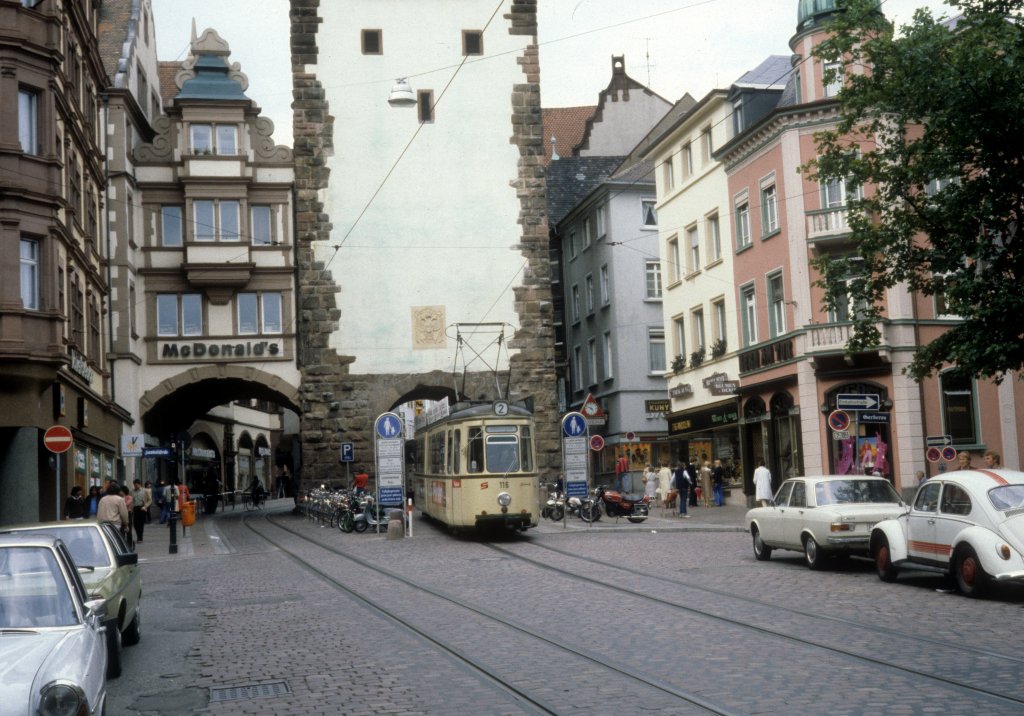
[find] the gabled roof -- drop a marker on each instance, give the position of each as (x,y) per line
(571,179)
(772,73)
(117,32)
(566,125)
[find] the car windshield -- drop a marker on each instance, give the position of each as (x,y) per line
(1007,497)
(85,544)
(837,492)
(33,592)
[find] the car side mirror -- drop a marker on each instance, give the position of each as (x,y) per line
(96,608)
(124,560)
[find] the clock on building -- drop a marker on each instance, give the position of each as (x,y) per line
(590,409)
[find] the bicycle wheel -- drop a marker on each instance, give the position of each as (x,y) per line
(346,523)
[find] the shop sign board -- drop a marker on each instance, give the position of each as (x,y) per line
(876,418)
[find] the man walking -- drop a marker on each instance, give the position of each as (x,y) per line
(762,484)
(681,484)
(138,508)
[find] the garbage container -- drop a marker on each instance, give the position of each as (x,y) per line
(396,525)
(188,513)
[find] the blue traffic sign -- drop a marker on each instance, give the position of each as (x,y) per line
(857,401)
(388,426)
(391,496)
(574,425)
(157,452)
(348,452)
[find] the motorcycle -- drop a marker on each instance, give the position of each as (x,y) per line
(371,516)
(614,504)
(554,508)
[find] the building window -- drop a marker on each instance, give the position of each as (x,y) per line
(575,304)
(833,194)
(714,238)
(203,136)
(706,146)
(670,175)
(737,117)
(777,303)
(577,369)
(216,220)
(373,42)
(605,294)
(846,308)
(607,350)
(77,310)
(260,227)
(742,225)
(656,349)
(179,315)
(30,274)
(592,360)
(202,139)
(588,230)
(425,106)
(958,408)
(95,329)
(599,219)
(833,85)
(697,324)
(472,42)
(28,121)
(718,311)
(769,210)
(679,336)
(748,306)
(259,313)
(652,271)
(675,260)
(170,226)
(693,246)
(650,214)
(687,160)
(589,286)
(227,139)
(573,247)
(132,312)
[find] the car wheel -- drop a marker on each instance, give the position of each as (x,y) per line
(883,561)
(971,578)
(133,633)
(762,552)
(812,553)
(113,650)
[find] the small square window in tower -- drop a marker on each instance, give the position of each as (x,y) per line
(373,42)
(472,42)
(425,105)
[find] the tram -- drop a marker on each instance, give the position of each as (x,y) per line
(476,468)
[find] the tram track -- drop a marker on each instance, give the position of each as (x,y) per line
(947,681)
(527,699)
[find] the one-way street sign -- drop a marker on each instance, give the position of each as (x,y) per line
(857,401)
(938,441)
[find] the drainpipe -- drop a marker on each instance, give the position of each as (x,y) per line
(106,223)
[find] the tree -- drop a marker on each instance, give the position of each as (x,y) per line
(932,127)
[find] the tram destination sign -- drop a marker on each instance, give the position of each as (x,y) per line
(857,401)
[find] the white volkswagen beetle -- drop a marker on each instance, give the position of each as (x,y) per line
(53,650)
(822,516)
(969,524)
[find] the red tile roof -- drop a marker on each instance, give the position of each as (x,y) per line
(566,124)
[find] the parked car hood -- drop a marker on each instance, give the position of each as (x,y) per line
(23,660)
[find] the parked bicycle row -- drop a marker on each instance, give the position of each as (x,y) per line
(348,510)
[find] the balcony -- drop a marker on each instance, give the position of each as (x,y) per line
(827,224)
(766,355)
(830,339)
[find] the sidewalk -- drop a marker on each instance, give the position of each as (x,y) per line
(201,539)
(727,518)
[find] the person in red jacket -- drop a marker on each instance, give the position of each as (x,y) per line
(360,481)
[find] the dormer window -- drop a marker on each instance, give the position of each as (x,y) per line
(832,77)
(214,139)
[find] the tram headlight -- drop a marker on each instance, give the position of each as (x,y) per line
(504,499)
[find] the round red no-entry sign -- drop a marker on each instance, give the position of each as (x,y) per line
(57,439)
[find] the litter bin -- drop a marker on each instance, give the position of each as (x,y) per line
(188,513)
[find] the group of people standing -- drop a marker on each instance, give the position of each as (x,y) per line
(689,484)
(127,507)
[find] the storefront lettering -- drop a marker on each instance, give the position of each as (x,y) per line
(719,384)
(682,390)
(80,366)
(220,350)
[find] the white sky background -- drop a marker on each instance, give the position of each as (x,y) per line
(673,46)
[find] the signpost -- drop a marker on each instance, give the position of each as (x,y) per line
(839,420)
(939,441)
(58,440)
(390,460)
(575,455)
(933,454)
(858,401)
(596,443)
(348,456)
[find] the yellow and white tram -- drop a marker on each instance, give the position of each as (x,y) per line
(476,468)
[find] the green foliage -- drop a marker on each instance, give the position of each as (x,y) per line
(942,101)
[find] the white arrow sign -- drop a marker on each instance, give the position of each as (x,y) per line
(855,401)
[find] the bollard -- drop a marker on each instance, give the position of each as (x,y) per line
(173,547)
(396,528)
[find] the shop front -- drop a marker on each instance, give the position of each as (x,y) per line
(706,434)
(864,446)
(770,432)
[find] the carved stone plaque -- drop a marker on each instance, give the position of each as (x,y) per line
(428,327)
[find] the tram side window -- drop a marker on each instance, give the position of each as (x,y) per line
(502,454)
(421,454)
(456,453)
(475,451)
(436,453)
(526,448)
(448,466)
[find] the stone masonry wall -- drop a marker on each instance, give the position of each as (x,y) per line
(338,406)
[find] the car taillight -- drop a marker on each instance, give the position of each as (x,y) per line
(841,526)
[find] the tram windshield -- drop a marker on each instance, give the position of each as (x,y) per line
(502,453)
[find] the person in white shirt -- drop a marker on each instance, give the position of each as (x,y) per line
(762,484)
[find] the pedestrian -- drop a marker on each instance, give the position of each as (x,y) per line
(139,509)
(112,507)
(167,496)
(361,480)
(92,503)
(993,460)
(147,501)
(964,461)
(255,490)
(158,500)
(279,488)
(664,482)
(694,475)
(621,472)
(762,484)
(681,484)
(560,484)
(74,505)
(705,482)
(919,476)
(718,483)
(651,484)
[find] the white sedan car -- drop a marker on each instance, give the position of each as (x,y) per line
(53,650)
(969,524)
(823,516)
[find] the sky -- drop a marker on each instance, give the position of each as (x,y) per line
(672,46)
